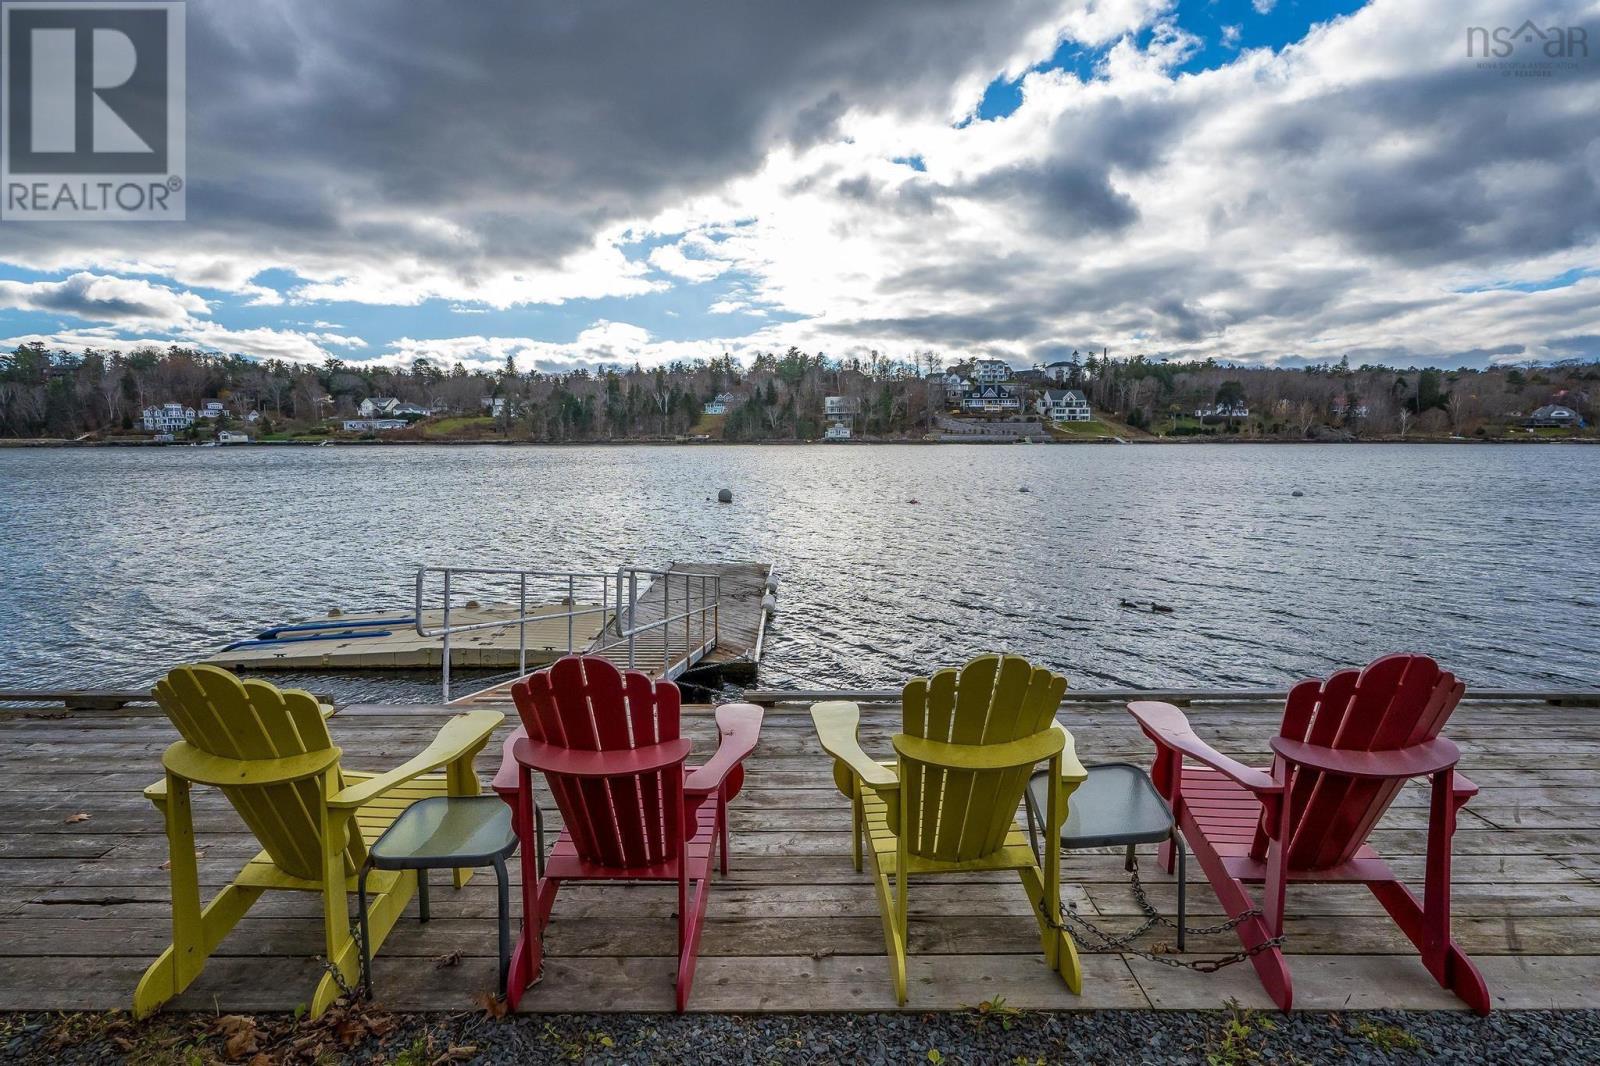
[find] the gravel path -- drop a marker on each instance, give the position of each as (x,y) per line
(999,1036)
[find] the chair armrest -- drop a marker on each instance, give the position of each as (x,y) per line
(1169,728)
(619,762)
(1009,755)
(836,723)
(1429,757)
(1072,771)
(739,727)
(463,736)
(506,777)
(190,763)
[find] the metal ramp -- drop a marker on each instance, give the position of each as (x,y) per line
(687,617)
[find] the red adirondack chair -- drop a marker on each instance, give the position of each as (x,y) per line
(609,748)
(1346,746)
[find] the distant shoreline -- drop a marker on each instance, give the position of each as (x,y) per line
(47,442)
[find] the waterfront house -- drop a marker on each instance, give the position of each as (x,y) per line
(374,406)
(168,418)
(494,405)
(1553,416)
(1064,405)
(409,411)
(956,386)
(370,425)
(837,431)
(840,407)
(1221,412)
(719,404)
(229,436)
(992,400)
(1062,369)
(991,371)
(211,409)
(252,417)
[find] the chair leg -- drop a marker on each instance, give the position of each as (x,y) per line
(1270,965)
(1033,822)
(182,961)
(722,828)
(1183,886)
(856,819)
(502,885)
(361,921)
(422,896)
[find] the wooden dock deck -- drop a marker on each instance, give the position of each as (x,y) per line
(401,648)
(83,902)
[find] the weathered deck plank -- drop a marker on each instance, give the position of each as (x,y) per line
(83,907)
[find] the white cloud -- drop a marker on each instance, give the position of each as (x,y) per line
(130,302)
(1263,7)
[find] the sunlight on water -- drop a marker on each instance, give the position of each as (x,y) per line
(120,563)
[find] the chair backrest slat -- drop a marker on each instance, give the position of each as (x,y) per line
(956,814)
(1395,701)
(585,703)
(220,715)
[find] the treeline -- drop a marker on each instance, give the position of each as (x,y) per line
(1365,400)
(53,393)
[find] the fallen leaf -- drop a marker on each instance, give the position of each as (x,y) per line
(74,819)
(240,1031)
(446,961)
(494,1006)
(350,1031)
(260,1058)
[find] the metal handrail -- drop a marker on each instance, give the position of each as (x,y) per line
(611,599)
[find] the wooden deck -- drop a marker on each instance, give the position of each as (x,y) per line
(83,903)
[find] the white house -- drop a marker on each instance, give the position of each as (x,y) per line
(253,417)
(1064,405)
(840,406)
(719,404)
(837,431)
(168,418)
(1222,411)
(494,405)
(374,406)
(1061,370)
(211,409)
(380,425)
(407,410)
(992,400)
(228,436)
(956,386)
(991,371)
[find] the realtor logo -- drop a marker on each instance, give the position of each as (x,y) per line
(93,122)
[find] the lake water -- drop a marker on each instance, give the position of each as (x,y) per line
(119,563)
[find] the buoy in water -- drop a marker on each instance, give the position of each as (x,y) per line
(1297,492)
(1024,488)
(724,495)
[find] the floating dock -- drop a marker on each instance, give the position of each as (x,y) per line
(727,647)
(389,640)
(85,903)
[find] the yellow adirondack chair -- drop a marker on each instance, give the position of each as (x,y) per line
(948,803)
(269,751)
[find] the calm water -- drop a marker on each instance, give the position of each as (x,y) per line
(118,563)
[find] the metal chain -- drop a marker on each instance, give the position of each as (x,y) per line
(338,974)
(1069,917)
